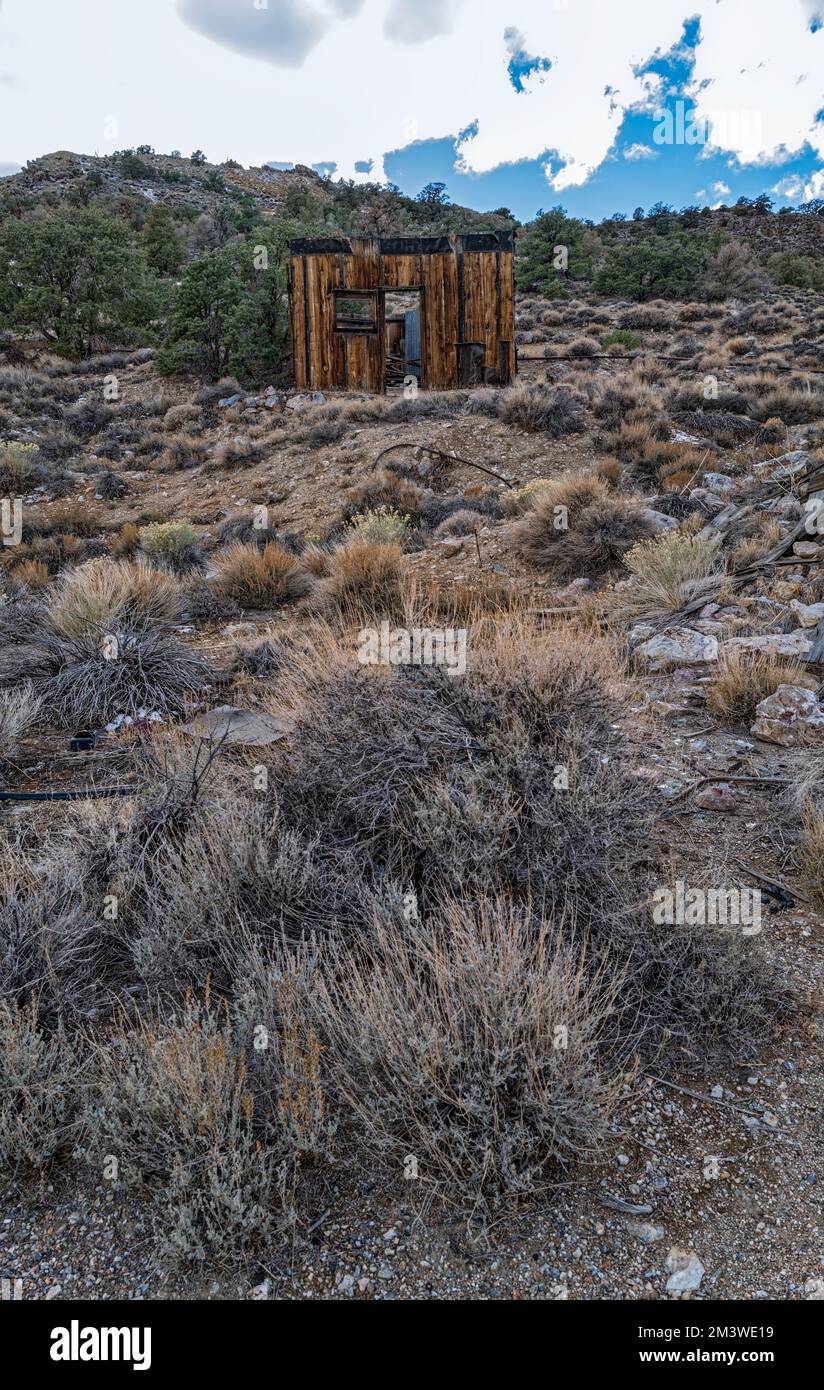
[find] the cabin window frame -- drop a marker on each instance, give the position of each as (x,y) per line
(371,329)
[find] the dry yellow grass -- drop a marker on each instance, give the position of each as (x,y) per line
(742,679)
(102,590)
(366,578)
(261,578)
(667,573)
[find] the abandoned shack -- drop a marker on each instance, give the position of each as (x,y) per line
(371,312)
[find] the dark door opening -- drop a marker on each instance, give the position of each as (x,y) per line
(404,361)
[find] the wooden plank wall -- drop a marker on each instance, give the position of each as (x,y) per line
(365,353)
(326,359)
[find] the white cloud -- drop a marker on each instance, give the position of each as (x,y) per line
(348,80)
(639,151)
(419,20)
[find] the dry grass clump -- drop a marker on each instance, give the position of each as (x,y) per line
(20,468)
(791,406)
(626,398)
(263,578)
(315,558)
(577,526)
(667,573)
(475,1041)
(235,453)
(387,490)
(517,500)
(106,591)
(461,523)
(541,410)
(366,578)
(183,452)
(743,678)
(187,413)
(20,709)
(70,517)
(32,575)
(122,668)
(124,543)
(811,855)
(754,543)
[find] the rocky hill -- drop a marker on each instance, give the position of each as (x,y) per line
(185,184)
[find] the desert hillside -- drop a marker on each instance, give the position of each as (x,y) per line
(388,976)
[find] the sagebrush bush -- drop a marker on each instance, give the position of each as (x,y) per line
(517,500)
(379,526)
(40,1078)
(388,490)
(577,526)
(475,1041)
(165,539)
(174,1104)
(461,523)
(553,412)
(20,468)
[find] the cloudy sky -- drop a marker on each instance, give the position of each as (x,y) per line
(524,103)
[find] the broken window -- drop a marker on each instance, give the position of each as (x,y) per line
(356,311)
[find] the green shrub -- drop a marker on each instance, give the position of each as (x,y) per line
(621,337)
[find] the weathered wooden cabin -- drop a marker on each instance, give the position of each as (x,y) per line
(465,327)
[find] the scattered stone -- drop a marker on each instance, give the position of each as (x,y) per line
(685,1270)
(789,717)
(807,550)
(646,1231)
(808,614)
(228,724)
(719,482)
(226,401)
(659,522)
(779,643)
(682,647)
(718,796)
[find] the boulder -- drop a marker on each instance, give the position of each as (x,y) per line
(680,647)
(778,643)
(228,724)
(791,716)
(659,522)
(808,614)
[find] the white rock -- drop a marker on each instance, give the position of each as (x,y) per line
(780,643)
(680,647)
(808,614)
(685,1270)
(659,522)
(789,717)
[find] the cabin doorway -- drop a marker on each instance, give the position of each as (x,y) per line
(403,312)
